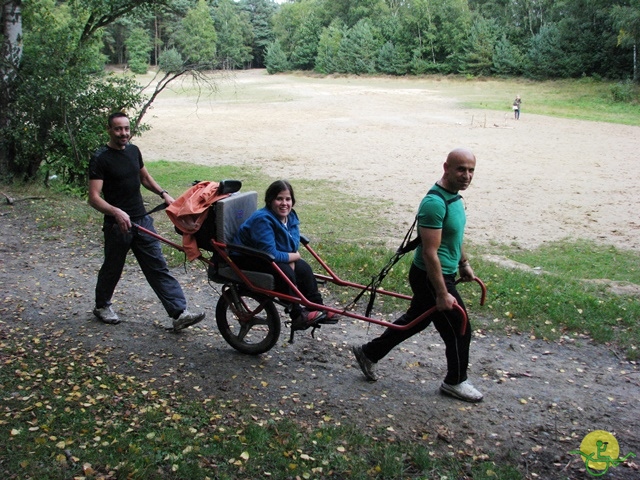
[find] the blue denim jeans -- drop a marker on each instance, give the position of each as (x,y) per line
(148,252)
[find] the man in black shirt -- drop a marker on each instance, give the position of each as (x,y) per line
(116,172)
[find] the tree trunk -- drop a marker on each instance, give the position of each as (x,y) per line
(12,35)
(635,62)
(156,40)
(10,56)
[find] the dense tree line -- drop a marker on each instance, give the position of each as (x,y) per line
(55,93)
(231,34)
(534,38)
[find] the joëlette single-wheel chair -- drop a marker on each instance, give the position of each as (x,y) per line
(246,312)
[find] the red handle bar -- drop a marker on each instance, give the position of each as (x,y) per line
(483,287)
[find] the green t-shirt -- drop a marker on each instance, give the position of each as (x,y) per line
(431,214)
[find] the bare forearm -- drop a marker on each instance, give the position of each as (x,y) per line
(465,270)
(150,184)
(102,206)
(434,273)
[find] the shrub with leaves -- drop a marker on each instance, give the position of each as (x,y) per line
(61,97)
(170,61)
(625,92)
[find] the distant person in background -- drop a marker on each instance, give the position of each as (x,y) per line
(516,107)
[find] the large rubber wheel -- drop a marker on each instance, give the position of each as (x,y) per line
(248,321)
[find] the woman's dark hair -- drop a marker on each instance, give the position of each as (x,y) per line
(275,188)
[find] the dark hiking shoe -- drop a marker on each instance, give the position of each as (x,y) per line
(366,365)
(186,319)
(106,315)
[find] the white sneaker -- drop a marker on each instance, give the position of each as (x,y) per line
(463,391)
(106,315)
(186,319)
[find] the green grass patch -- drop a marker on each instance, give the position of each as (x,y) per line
(570,294)
(322,225)
(584,99)
(65,415)
(57,211)
(584,260)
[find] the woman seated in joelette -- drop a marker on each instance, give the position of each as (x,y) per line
(275,229)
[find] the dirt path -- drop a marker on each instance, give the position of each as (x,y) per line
(541,398)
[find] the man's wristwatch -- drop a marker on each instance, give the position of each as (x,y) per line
(162,193)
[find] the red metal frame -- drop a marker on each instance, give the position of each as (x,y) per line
(331,276)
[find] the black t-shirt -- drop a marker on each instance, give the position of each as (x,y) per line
(120,172)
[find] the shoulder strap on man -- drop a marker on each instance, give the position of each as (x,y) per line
(405,247)
(455,198)
(413,244)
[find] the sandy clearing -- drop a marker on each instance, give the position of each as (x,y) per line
(538,179)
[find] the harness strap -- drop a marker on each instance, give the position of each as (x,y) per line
(157,208)
(413,244)
(405,247)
